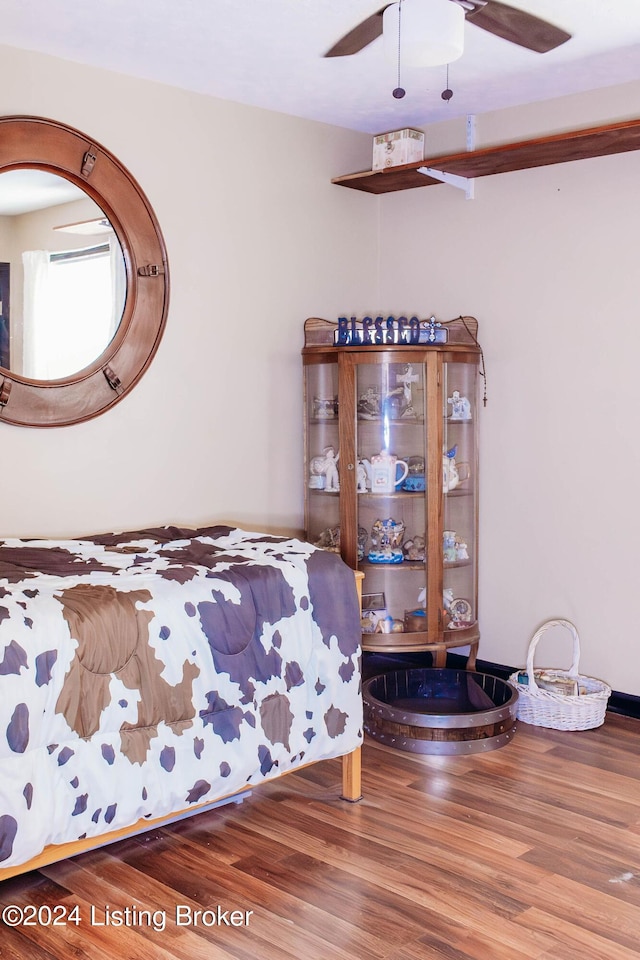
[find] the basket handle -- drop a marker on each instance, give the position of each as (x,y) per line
(573,669)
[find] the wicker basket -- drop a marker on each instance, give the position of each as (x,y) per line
(560,711)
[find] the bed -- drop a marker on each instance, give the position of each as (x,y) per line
(151,674)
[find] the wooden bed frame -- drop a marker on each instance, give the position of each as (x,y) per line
(351,792)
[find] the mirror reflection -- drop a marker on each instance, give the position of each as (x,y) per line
(62,276)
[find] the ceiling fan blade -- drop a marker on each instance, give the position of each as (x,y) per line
(517,26)
(360,37)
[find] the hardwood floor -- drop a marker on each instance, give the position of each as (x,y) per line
(530,852)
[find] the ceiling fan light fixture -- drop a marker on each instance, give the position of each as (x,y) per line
(431,32)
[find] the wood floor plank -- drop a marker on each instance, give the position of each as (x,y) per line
(604,916)
(86,939)
(225,838)
(14,946)
(277,918)
(621,785)
(107,883)
(573,940)
(530,852)
(615,759)
(377,916)
(430,892)
(416,826)
(525,810)
(468,946)
(613,876)
(423,850)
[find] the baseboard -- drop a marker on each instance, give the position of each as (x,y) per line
(625,704)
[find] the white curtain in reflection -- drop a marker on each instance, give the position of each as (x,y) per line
(118,283)
(35,265)
(69,310)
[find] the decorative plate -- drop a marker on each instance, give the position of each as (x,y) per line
(460,609)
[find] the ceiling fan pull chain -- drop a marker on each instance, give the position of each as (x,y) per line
(399,92)
(448,93)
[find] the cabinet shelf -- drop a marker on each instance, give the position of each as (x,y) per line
(411,421)
(403,565)
(398,495)
(582,144)
(452,637)
(405,641)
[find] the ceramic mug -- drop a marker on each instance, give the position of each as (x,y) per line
(387,472)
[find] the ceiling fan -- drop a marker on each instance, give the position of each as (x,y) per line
(509,23)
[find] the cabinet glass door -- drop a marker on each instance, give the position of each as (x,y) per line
(391,478)
(460,475)
(391,466)
(322,501)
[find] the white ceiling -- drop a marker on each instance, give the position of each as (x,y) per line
(23,191)
(269,53)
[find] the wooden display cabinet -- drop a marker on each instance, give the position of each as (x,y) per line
(391,477)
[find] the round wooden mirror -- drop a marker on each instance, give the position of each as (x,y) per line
(84,281)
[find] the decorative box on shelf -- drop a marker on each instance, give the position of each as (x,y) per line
(396,148)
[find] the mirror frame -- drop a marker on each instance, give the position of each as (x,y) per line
(37,143)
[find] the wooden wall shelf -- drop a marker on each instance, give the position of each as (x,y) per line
(522,155)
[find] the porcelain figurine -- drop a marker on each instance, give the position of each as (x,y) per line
(460,611)
(389,625)
(462,551)
(453,547)
(449,546)
(369,405)
(453,472)
(326,466)
(363,476)
(329,539)
(450,476)
(415,548)
(460,406)
(386,541)
(325,409)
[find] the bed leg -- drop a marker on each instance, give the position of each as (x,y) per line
(352,776)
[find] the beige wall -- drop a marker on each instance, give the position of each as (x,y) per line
(546,260)
(258,239)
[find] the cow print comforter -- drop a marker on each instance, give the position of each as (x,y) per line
(145,672)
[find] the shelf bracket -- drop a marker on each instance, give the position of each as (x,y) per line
(471,131)
(462,183)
